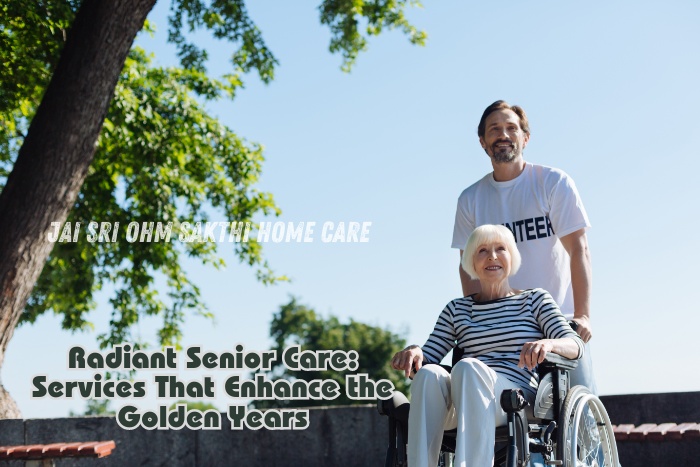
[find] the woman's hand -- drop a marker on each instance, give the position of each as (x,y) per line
(533,353)
(405,359)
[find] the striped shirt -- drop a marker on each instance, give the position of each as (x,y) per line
(494,332)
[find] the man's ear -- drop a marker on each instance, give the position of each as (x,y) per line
(482,142)
(526,140)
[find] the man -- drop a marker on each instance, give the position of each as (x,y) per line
(542,208)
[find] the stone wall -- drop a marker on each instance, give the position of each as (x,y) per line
(348,436)
(673,407)
(344,436)
(636,409)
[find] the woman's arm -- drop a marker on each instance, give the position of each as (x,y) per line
(559,337)
(439,343)
(533,353)
(581,277)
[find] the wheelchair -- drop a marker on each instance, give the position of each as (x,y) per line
(565,426)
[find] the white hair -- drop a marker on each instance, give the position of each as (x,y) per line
(489,234)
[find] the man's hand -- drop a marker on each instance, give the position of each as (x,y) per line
(584,328)
(533,353)
(405,359)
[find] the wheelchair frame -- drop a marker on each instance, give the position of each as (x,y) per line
(561,415)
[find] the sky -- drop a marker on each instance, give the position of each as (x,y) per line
(610,89)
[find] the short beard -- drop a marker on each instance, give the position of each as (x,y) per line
(505,157)
(500,157)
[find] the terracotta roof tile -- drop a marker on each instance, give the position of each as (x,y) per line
(640,432)
(692,430)
(659,432)
(622,431)
(656,432)
(57,450)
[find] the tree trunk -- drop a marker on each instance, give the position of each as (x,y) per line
(58,150)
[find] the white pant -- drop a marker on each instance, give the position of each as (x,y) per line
(469,400)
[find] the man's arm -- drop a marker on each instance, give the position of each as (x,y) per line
(576,245)
(469,285)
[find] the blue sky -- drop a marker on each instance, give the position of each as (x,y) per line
(611,92)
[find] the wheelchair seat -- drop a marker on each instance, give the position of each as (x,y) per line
(569,427)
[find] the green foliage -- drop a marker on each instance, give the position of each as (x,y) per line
(95,408)
(297,324)
(160,155)
(31,38)
(227,20)
(195,405)
(344,17)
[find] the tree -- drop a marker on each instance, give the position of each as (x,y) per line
(194,405)
(297,324)
(68,68)
(169,160)
(95,408)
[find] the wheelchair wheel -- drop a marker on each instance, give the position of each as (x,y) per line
(585,436)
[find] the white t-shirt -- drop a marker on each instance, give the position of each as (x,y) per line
(539,206)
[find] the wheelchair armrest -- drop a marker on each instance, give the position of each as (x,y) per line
(552,361)
(554,383)
(397,406)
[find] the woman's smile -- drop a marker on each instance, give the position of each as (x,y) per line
(492,262)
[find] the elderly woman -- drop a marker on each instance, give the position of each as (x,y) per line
(504,333)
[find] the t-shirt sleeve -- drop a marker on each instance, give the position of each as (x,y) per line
(464,224)
(566,208)
(443,337)
(553,324)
